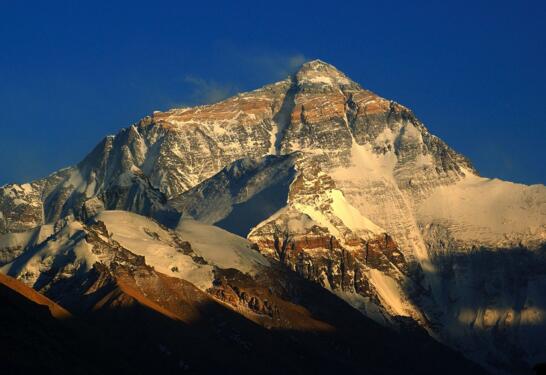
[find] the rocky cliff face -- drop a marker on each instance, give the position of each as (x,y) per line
(346,188)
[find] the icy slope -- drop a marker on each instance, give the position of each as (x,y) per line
(160,248)
(221,248)
(488,212)
(66,253)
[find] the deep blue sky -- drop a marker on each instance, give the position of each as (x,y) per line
(72,72)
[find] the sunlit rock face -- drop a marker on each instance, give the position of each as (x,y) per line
(350,189)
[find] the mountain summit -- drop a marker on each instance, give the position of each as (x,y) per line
(348,189)
(319,72)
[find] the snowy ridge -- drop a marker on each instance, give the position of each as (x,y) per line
(144,237)
(67,253)
(221,248)
(74,248)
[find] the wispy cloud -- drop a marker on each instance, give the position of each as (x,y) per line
(235,70)
(260,63)
(208,91)
(274,65)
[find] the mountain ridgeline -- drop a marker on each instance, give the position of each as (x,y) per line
(274,209)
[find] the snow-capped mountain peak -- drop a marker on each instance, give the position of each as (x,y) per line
(346,188)
(320,73)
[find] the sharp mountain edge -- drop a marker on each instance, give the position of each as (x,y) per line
(347,189)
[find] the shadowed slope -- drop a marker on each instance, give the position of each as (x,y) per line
(31,295)
(39,336)
(241,195)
